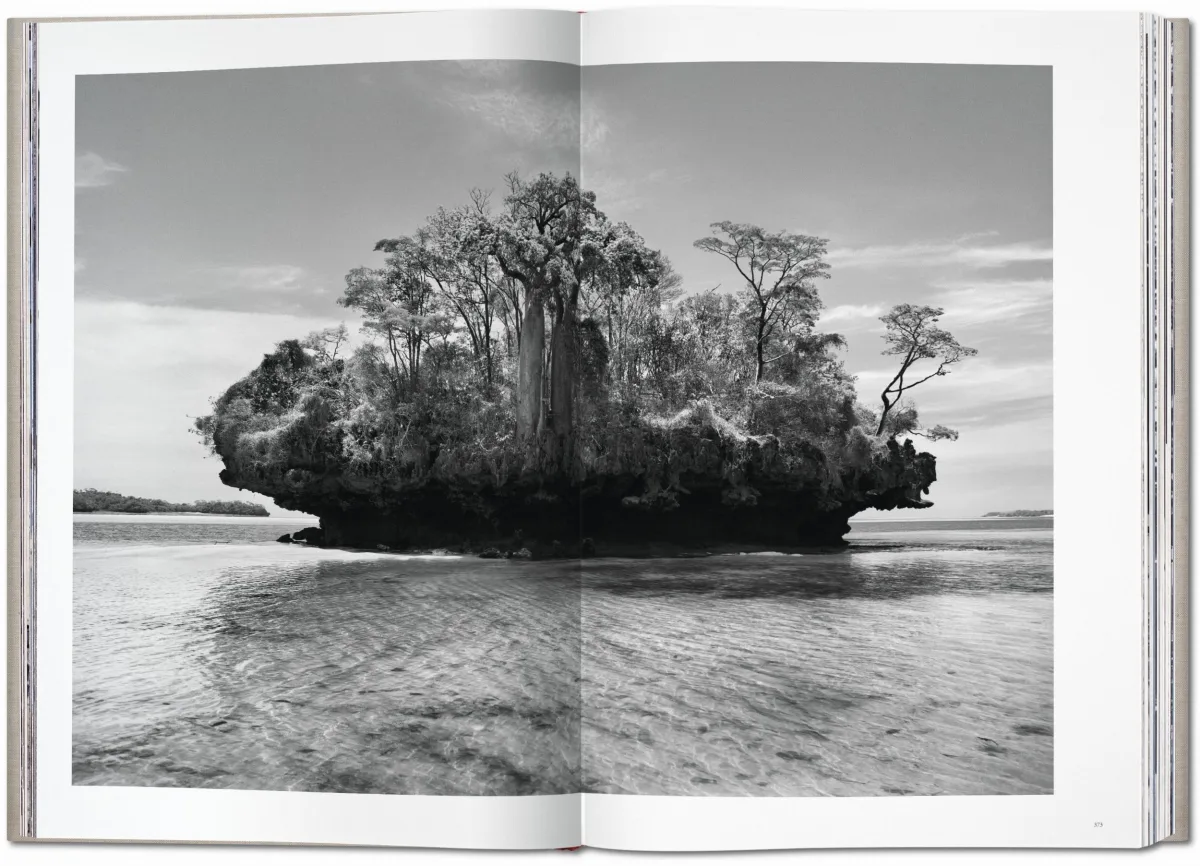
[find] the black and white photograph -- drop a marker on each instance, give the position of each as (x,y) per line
(507,427)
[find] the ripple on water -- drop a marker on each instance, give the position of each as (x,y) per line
(884,670)
(826,675)
(285,669)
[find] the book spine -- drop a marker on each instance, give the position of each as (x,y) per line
(1165,242)
(1179,36)
(22,281)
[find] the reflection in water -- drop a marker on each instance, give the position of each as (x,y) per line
(914,663)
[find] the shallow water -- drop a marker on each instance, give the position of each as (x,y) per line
(919,662)
(176,529)
(283,668)
(922,667)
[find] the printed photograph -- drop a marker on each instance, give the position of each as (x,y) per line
(512,428)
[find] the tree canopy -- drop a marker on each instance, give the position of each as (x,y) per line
(913,335)
(532,329)
(778,293)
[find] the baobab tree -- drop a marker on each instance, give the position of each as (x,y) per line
(913,335)
(533,241)
(552,240)
(779,269)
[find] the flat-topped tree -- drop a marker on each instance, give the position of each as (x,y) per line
(913,334)
(779,270)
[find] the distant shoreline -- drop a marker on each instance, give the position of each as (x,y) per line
(93,501)
(312,520)
(180,514)
(856,519)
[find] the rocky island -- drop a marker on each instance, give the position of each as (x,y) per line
(535,376)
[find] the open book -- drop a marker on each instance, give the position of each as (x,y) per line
(659,429)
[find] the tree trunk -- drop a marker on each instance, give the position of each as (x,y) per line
(529,379)
(487,340)
(758,374)
(562,387)
(887,407)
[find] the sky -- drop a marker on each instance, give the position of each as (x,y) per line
(218,212)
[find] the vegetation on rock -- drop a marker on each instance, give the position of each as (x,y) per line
(532,366)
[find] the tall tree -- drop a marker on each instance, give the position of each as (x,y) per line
(398,304)
(613,263)
(711,344)
(465,273)
(626,299)
(534,240)
(913,335)
(552,240)
(779,270)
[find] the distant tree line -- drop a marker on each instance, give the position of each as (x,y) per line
(102,500)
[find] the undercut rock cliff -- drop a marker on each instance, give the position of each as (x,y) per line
(693,481)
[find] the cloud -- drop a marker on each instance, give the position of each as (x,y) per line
(276,279)
(530,106)
(852,313)
(535,104)
(620,194)
(1005,413)
(963,252)
(994,468)
(615,195)
(991,302)
(92,170)
(1014,410)
(967,303)
(1002,380)
(137,394)
(527,118)
(244,288)
(976,393)
(593,129)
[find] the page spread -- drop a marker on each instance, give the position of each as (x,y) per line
(472,428)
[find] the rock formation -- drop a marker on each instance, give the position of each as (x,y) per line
(692,481)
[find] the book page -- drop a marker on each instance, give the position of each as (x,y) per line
(895,601)
(271,327)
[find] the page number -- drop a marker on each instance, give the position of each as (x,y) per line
(1098,824)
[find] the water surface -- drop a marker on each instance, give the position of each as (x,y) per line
(916,662)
